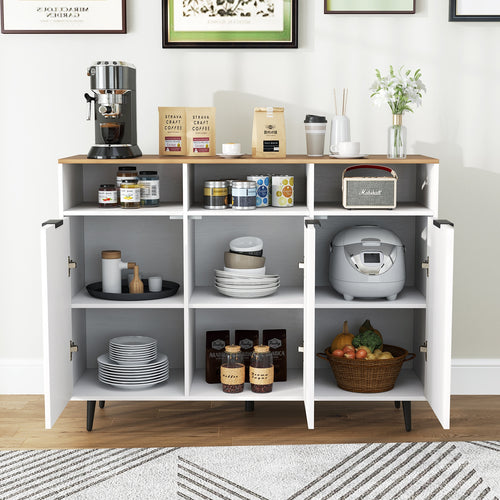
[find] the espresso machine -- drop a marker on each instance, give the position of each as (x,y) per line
(113,85)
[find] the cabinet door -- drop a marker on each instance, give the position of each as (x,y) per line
(439,319)
(56,300)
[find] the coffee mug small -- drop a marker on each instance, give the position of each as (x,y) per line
(155,283)
(348,148)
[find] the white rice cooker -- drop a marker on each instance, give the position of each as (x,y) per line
(367,262)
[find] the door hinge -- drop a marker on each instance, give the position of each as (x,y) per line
(426,265)
(71,265)
(72,348)
(423,348)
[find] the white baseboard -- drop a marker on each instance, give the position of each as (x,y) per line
(21,376)
(475,376)
(468,376)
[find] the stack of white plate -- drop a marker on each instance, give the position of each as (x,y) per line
(241,285)
(132,363)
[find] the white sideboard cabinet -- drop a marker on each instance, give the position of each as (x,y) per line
(184,243)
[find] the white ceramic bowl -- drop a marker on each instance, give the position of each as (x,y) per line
(247,272)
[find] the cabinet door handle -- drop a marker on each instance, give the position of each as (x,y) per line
(301,265)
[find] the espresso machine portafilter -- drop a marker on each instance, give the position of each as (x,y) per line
(113,86)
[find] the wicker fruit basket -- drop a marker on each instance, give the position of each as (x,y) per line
(363,375)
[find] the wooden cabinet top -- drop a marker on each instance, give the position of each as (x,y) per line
(217,160)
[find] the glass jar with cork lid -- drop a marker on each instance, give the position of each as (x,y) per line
(261,369)
(232,370)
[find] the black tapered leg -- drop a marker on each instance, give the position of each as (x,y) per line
(101,404)
(407,415)
(90,414)
(397,404)
(249,405)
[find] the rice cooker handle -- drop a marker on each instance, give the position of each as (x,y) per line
(378,167)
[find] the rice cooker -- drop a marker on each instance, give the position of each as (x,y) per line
(367,262)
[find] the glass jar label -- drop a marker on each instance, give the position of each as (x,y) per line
(232,376)
(150,189)
(261,376)
(107,197)
(130,195)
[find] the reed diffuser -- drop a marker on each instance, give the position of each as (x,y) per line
(341,127)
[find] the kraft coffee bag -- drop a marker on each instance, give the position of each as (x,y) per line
(172,127)
(246,339)
(215,353)
(276,340)
(268,134)
(200,131)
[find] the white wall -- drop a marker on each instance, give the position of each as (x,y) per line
(42,118)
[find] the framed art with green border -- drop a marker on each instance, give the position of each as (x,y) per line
(229,23)
(369,6)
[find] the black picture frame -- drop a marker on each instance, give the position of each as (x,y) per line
(30,21)
(286,39)
(328,9)
(454,17)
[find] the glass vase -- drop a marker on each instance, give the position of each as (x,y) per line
(396,147)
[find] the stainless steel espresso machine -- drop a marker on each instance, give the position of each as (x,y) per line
(113,85)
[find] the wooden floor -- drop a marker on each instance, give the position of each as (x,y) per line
(154,424)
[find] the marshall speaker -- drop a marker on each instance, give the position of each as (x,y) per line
(369,186)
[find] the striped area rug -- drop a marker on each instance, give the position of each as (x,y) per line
(399,471)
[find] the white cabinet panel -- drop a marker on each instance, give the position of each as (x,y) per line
(56,299)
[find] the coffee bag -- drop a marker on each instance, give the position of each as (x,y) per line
(172,126)
(200,131)
(276,340)
(268,134)
(215,354)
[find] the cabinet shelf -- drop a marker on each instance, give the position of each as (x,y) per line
(409,298)
(402,209)
(82,300)
(207,297)
(408,387)
(88,388)
(92,209)
(291,390)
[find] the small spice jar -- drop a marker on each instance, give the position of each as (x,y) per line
(261,369)
(107,196)
(215,195)
(130,194)
(243,195)
(232,370)
(149,180)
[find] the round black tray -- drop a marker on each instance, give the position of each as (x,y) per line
(169,288)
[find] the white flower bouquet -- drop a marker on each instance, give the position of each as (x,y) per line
(401,91)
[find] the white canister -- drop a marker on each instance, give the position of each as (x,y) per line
(263,191)
(283,190)
(112,267)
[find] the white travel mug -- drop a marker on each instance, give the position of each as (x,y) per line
(315,134)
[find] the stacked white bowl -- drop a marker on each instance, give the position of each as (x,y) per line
(244,273)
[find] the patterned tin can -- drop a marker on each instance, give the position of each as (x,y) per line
(283,191)
(215,195)
(263,189)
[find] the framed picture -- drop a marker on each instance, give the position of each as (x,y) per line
(63,16)
(230,23)
(369,6)
(474,10)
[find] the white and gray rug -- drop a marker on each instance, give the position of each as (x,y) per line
(431,471)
